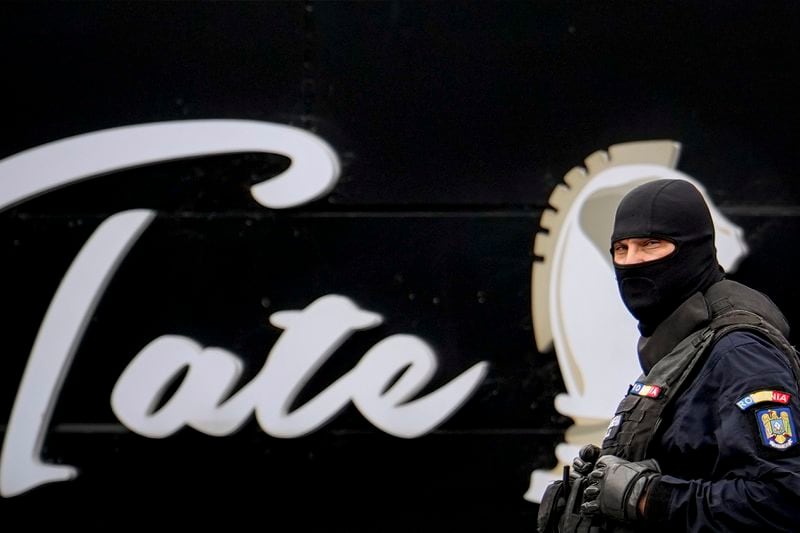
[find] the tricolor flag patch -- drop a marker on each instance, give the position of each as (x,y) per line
(641,389)
(761,396)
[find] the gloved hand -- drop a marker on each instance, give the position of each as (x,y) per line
(584,463)
(616,486)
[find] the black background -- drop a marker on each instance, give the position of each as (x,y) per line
(453,122)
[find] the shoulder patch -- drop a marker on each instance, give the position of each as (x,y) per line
(775,396)
(776,427)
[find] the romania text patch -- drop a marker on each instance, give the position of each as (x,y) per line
(640,389)
(763,396)
(776,427)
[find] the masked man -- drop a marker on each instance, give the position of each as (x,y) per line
(706,438)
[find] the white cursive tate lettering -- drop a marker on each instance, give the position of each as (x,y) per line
(63,325)
(313,173)
(310,337)
(383,385)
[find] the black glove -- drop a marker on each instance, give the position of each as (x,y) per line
(616,486)
(584,463)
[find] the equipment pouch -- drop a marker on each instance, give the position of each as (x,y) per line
(552,507)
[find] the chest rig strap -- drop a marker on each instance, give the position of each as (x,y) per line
(744,320)
(639,414)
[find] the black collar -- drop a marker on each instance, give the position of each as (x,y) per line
(689,317)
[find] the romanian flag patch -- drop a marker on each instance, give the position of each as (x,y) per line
(640,389)
(760,396)
(776,427)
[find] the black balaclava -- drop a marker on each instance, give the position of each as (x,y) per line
(676,211)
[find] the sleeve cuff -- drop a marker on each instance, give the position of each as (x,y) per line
(658,496)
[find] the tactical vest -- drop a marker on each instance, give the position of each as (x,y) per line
(639,415)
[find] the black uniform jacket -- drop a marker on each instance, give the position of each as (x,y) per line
(729,448)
